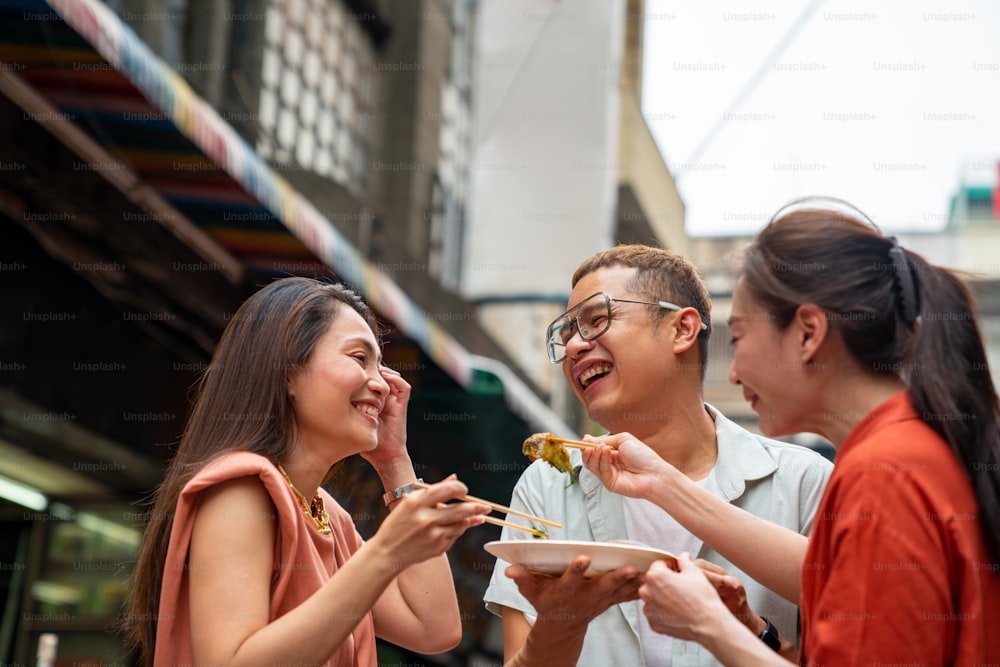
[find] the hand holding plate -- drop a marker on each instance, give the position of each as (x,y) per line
(569,602)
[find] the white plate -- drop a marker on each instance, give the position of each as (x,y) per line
(552,556)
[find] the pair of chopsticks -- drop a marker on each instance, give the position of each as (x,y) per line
(577,444)
(506,510)
(539,440)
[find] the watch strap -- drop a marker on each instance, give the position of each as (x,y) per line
(769,635)
(389,497)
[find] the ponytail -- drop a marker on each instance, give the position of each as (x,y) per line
(951,387)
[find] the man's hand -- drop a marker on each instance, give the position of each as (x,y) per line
(569,602)
(565,606)
(732,593)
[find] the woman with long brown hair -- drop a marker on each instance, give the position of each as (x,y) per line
(840,331)
(246,558)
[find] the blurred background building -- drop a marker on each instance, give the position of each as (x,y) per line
(453,160)
(164,159)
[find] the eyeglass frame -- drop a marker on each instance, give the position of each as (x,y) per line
(608,299)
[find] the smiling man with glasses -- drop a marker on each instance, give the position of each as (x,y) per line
(636,359)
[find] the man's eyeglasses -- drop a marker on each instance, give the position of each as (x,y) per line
(591,318)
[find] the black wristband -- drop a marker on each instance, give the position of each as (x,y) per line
(769,635)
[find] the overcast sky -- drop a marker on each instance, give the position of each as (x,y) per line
(890,105)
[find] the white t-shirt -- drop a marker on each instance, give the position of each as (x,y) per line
(650,525)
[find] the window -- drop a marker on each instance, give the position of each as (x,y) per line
(315,98)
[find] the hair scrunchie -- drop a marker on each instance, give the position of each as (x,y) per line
(909,305)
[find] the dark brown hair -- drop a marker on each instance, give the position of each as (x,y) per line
(839,261)
(661,275)
(242,404)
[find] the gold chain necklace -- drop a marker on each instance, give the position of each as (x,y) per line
(314,510)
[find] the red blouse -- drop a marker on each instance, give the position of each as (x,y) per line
(897,571)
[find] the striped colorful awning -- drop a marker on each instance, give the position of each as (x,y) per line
(96,71)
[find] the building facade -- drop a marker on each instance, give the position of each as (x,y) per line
(170,157)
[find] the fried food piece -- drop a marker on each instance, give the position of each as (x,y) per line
(544,446)
(539,533)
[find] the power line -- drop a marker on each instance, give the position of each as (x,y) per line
(752,83)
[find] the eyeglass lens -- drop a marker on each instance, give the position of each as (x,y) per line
(590,318)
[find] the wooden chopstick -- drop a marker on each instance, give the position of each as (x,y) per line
(578,444)
(507,510)
(500,508)
(537,438)
(500,522)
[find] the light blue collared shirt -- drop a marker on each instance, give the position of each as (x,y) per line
(777,481)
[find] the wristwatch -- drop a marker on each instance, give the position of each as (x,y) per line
(769,635)
(392,496)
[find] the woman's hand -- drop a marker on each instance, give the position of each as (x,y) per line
(682,604)
(391,450)
(625,465)
(422,526)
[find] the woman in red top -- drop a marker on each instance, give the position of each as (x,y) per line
(837,330)
(246,560)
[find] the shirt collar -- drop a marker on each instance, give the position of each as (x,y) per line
(741,456)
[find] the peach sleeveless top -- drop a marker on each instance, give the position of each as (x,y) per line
(303,560)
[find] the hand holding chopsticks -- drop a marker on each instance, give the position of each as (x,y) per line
(507,510)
